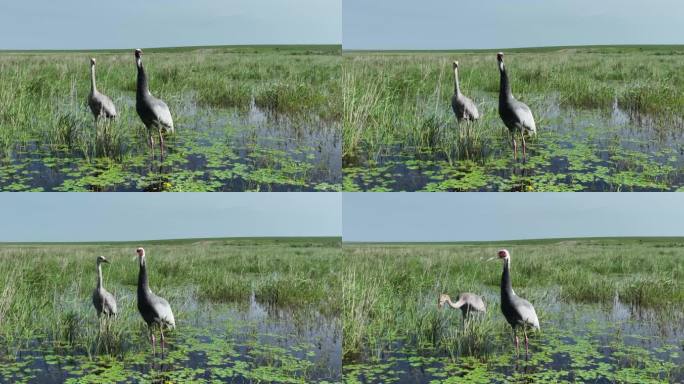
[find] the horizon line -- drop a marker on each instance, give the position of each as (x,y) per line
(511,240)
(507,48)
(170,239)
(172,47)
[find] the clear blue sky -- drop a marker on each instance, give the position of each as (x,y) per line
(148,216)
(87,24)
(469,24)
(508,216)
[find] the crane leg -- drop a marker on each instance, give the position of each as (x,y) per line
(524,145)
(152,339)
(515,339)
(161,141)
(526,343)
(515,148)
(161,329)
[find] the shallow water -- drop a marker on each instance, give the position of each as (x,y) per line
(578,343)
(212,150)
(213,342)
(575,150)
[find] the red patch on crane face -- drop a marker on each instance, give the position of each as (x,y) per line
(503,254)
(138,53)
(499,56)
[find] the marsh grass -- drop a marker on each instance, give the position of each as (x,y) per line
(386,94)
(390,291)
(45,290)
(43,94)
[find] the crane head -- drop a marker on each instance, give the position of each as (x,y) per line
(443,298)
(102,259)
(499,56)
(138,53)
(92,61)
(504,254)
(140,251)
(455,64)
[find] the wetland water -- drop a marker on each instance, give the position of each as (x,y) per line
(577,343)
(213,342)
(575,150)
(214,149)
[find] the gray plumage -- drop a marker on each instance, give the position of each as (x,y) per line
(100,104)
(103,301)
(154,310)
(515,115)
(467,302)
(517,311)
(464,108)
(153,112)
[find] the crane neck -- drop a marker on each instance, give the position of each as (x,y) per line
(452,305)
(506,286)
(92,78)
(142,89)
(142,277)
(99,276)
(505,86)
(457,88)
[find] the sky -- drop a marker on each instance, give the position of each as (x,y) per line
(452,216)
(471,24)
(73,217)
(87,24)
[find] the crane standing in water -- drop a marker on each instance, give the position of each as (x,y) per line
(153,112)
(100,105)
(463,107)
(155,310)
(103,301)
(518,311)
(516,115)
(467,302)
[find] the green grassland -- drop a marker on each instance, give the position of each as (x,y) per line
(37,83)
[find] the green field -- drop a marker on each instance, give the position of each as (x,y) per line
(610,309)
(246,309)
(608,119)
(247,118)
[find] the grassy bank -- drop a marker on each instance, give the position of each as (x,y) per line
(403,98)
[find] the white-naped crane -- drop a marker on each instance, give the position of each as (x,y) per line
(464,108)
(468,303)
(103,301)
(153,112)
(516,115)
(518,312)
(100,104)
(155,310)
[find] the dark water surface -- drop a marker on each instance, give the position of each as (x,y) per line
(212,150)
(212,343)
(577,343)
(575,150)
